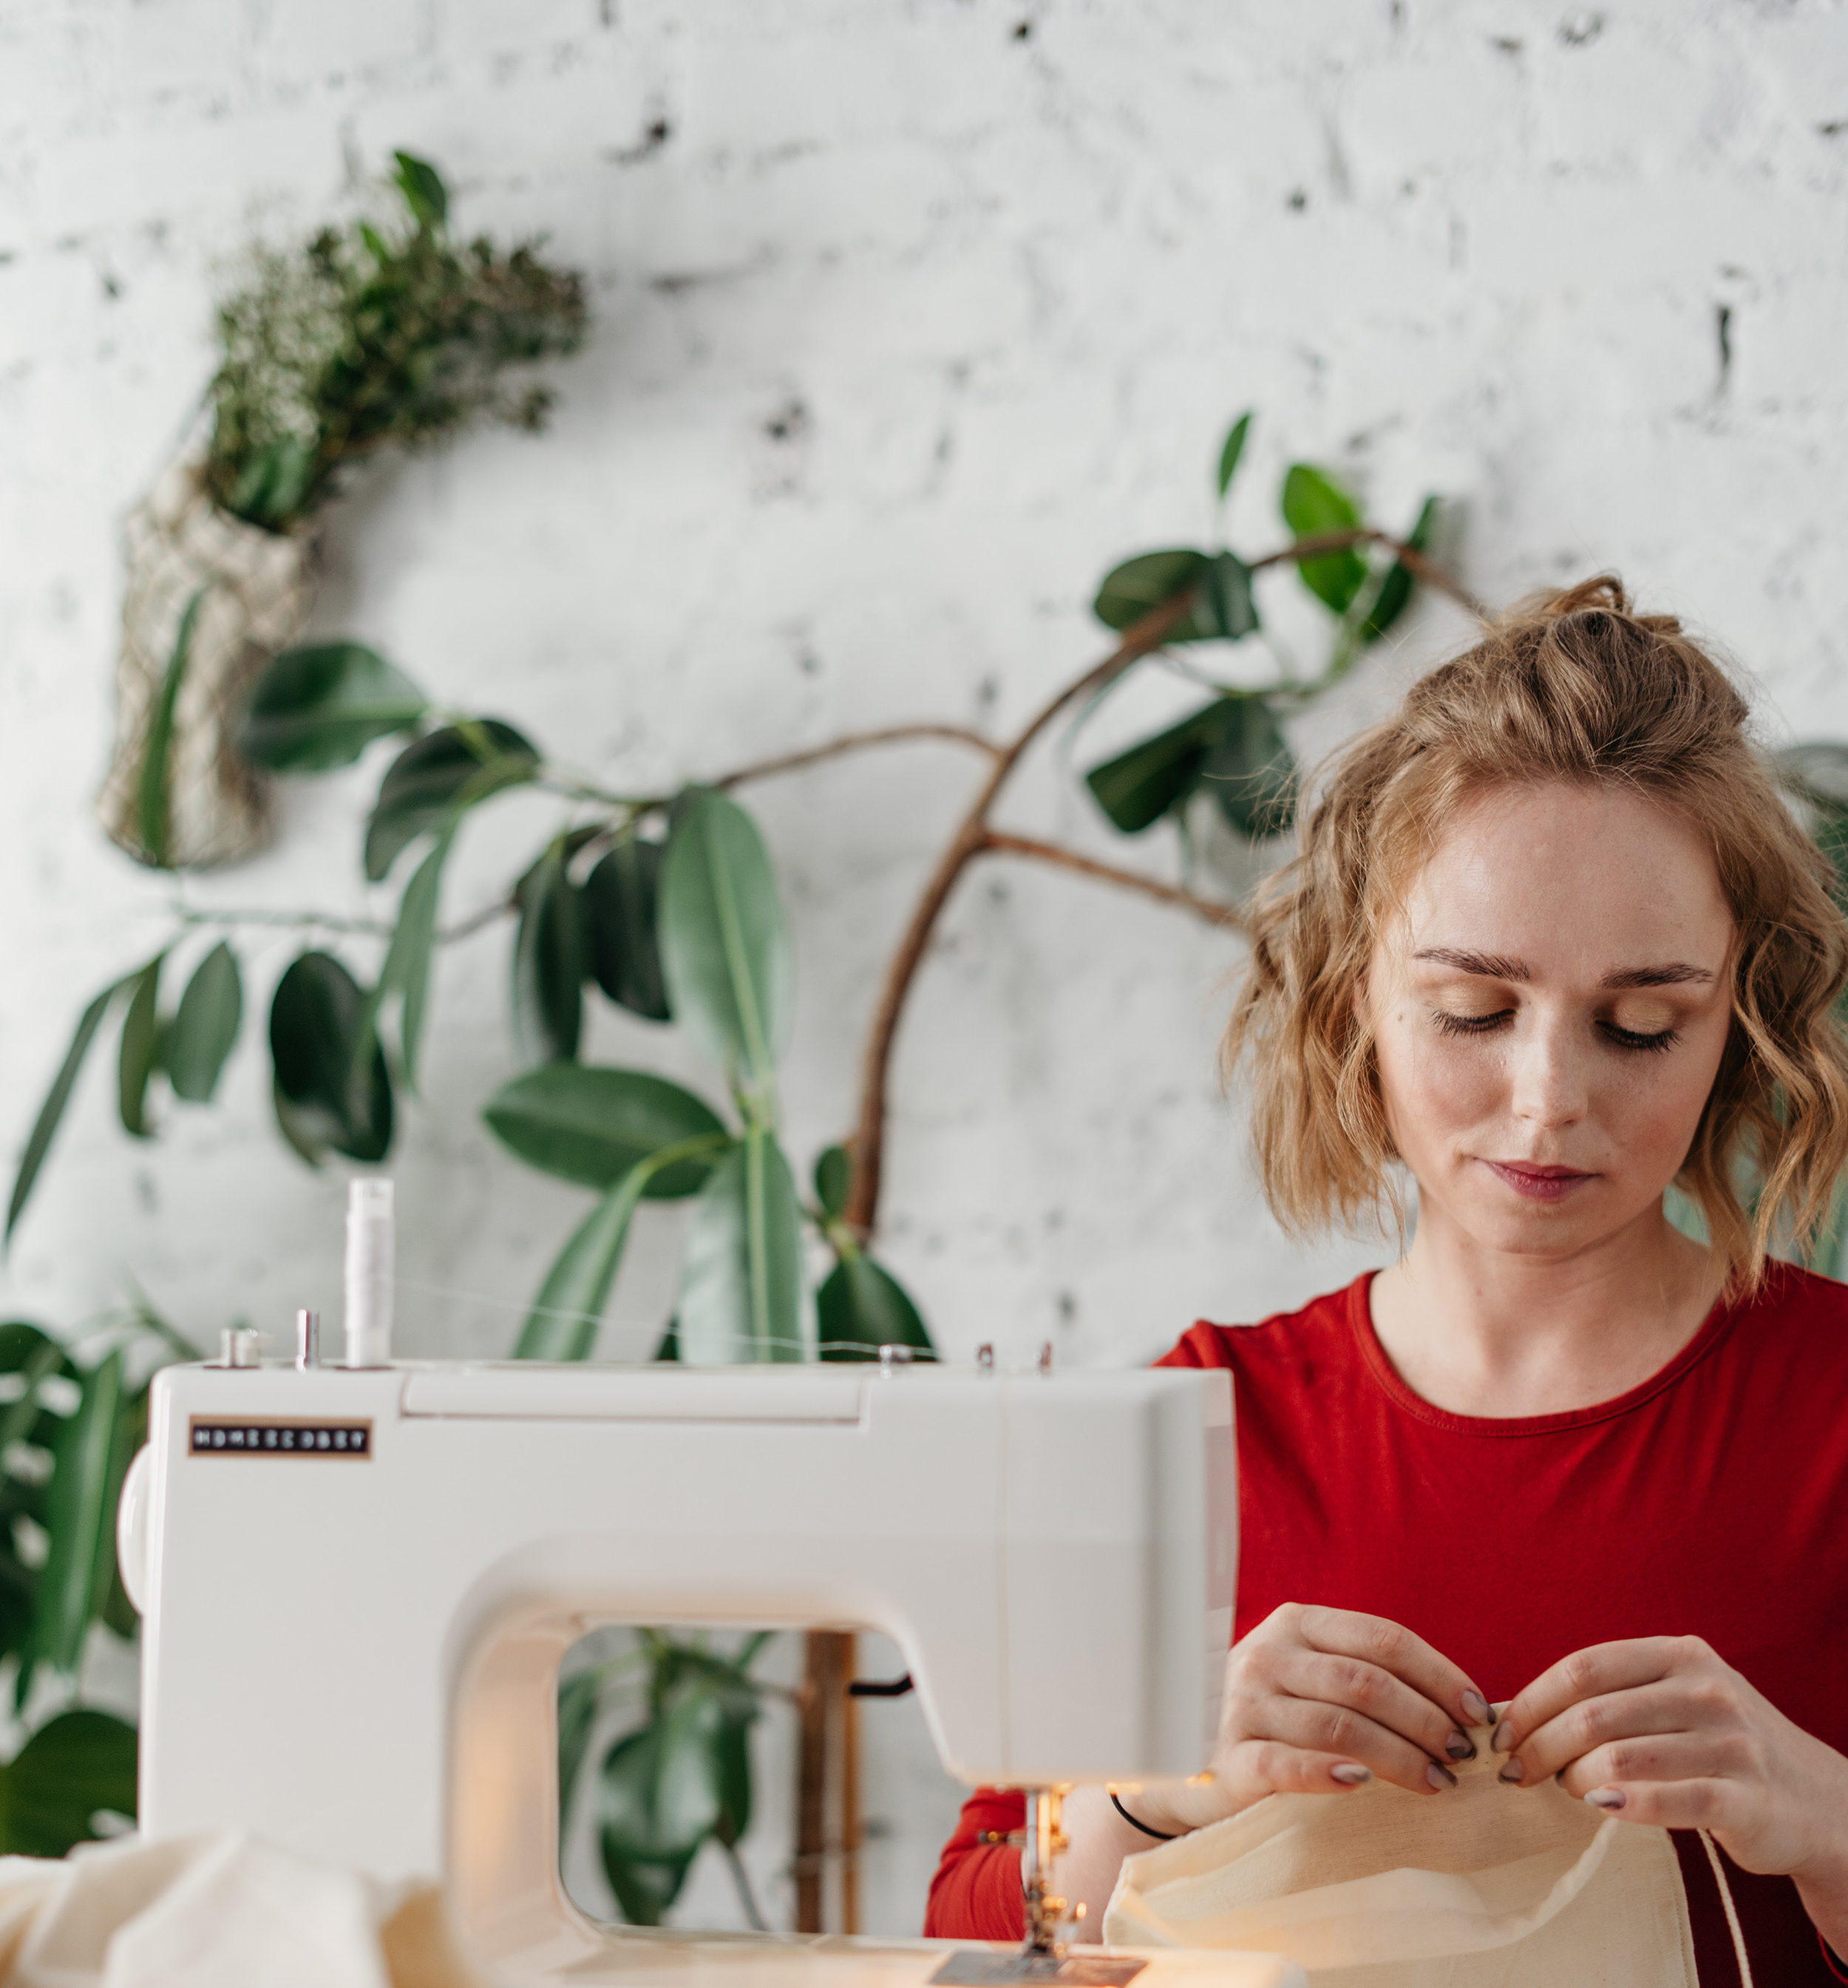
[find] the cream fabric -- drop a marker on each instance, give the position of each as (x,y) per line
(217,1912)
(1482,1886)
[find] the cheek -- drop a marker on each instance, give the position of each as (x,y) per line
(1431,1084)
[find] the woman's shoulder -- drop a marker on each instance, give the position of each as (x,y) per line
(1802,1308)
(1326,1323)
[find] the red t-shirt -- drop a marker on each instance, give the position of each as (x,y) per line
(1712,1500)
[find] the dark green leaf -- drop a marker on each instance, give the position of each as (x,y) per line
(440,774)
(568,1312)
(577,1720)
(1250,772)
(1139,584)
(152,801)
(860,1307)
(38,1142)
(85,1484)
(724,944)
(1153,778)
(273,482)
(135,1064)
(329,1095)
(741,1276)
(1396,589)
(422,186)
(76,1765)
(206,1026)
(1225,610)
(407,967)
(1234,448)
(320,707)
(619,902)
(833,1180)
(592,1124)
(549,961)
(1315,506)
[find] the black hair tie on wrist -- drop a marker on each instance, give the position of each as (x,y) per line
(1160,1835)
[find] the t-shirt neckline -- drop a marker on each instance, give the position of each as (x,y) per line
(1714,1328)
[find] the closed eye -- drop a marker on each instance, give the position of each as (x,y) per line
(1628,1039)
(1470,1025)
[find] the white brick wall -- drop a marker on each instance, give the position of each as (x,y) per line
(1015,265)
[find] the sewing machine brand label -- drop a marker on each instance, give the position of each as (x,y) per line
(215,1435)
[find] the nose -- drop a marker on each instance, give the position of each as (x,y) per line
(1551,1087)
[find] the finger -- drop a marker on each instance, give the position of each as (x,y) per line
(1660,1757)
(1377,1694)
(1341,1632)
(1696,1804)
(1268,1767)
(1307,1725)
(1594,1723)
(1587,1673)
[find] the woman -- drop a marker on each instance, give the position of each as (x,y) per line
(1554,944)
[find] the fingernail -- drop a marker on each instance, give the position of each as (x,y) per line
(1503,1739)
(1511,1774)
(1350,1774)
(1460,1746)
(1439,1777)
(1475,1708)
(1607,1798)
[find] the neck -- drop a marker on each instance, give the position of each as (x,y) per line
(1484,1332)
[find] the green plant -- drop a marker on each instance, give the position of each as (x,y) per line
(384,333)
(667,904)
(68,1428)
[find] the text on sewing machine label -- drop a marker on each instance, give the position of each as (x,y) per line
(212,1435)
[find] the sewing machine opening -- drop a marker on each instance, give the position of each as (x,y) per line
(663,1730)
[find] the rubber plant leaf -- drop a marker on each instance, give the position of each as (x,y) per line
(425,194)
(153,798)
(549,961)
(140,1032)
(861,1307)
(91,1456)
(436,775)
(659,1798)
(590,1124)
(833,1180)
(1396,589)
(407,967)
(620,898)
(328,1096)
(1234,448)
(77,1765)
(1130,590)
(205,1025)
(740,1294)
(319,706)
(1249,770)
(45,1125)
(725,943)
(1156,776)
(1314,505)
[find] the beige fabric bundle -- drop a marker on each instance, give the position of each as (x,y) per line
(218,1911)
(1482,1886)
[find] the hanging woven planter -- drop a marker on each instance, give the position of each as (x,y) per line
(209,601)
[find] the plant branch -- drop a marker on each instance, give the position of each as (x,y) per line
(973,835)
(855,742)
(1214,913)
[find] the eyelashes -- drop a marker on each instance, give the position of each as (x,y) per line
(1620,1038)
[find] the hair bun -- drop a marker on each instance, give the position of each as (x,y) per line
(1602,594)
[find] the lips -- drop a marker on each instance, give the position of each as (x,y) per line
(1538,1183)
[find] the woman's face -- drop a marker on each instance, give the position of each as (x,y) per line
(1550,1015)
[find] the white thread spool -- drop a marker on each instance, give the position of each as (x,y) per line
(372,1267)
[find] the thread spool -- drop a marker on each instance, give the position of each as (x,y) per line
(371,1268)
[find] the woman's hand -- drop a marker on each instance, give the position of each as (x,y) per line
(1317,1700)
(1661,1731)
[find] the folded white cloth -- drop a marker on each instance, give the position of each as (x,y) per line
(218,1911)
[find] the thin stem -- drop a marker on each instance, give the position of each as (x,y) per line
(855,742)
(1214,913)
(746,1897)
(1417,563)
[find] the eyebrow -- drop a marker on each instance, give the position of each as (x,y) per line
(1496,966)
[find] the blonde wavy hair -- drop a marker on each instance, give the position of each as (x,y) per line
(1572,686)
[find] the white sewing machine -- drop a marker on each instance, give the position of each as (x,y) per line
(357,1584)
